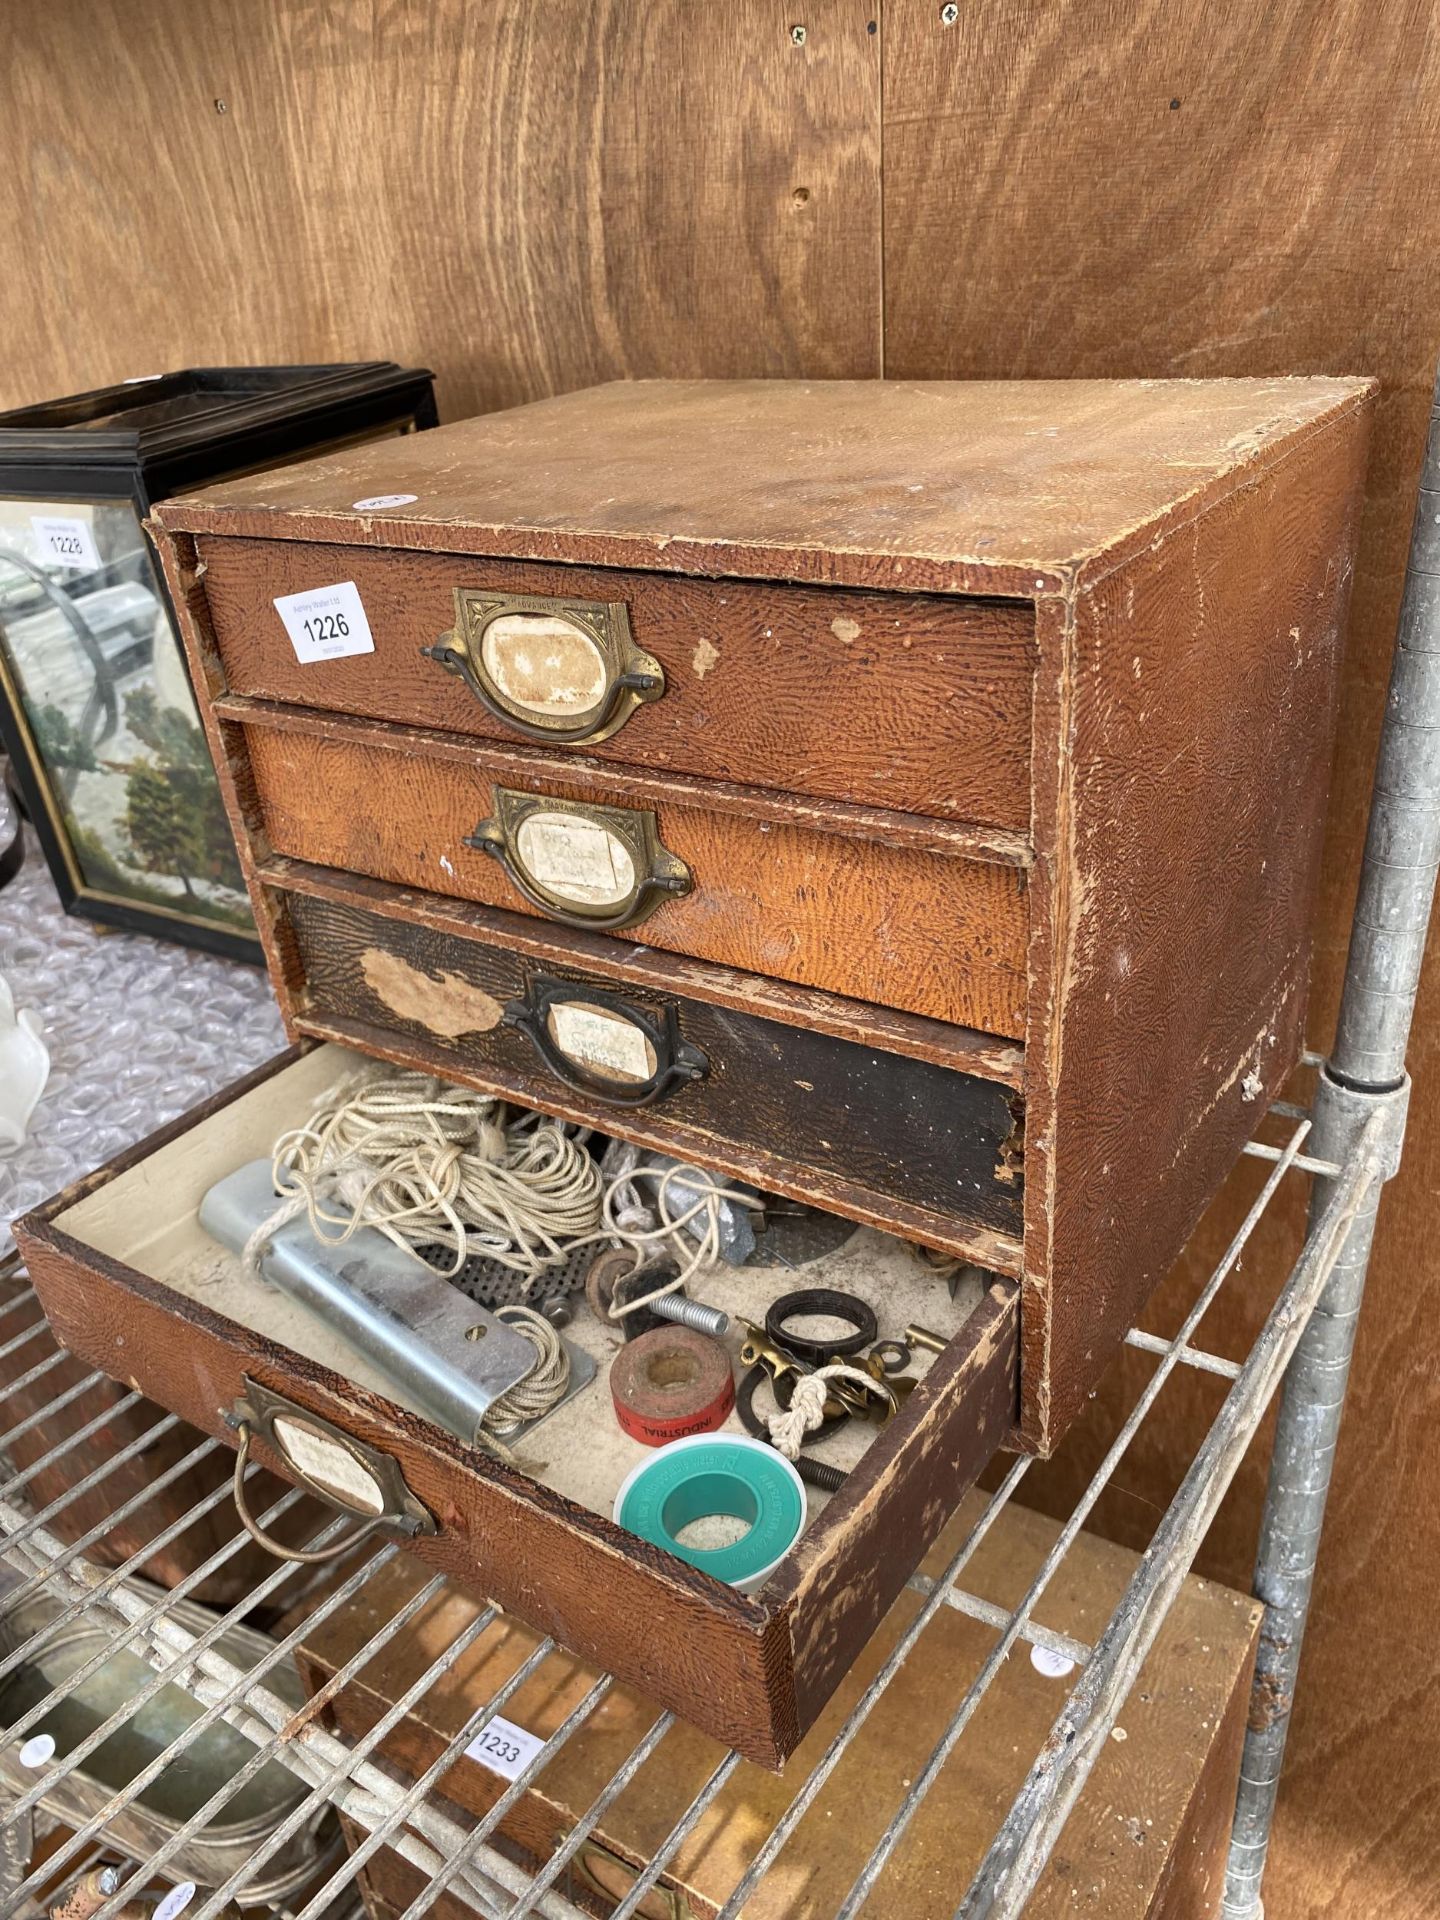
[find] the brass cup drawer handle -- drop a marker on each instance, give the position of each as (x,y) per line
(354,1478)
(601,868)
(561,671)
(300,1556)
(603,1046)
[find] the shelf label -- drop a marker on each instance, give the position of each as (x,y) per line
(378,502)
(327,623)
(504,1748)
(64,542)
(1053,1664)
(575,858)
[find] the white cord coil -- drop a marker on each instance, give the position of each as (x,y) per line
(692,1255)
(541,1389)
(428,1164)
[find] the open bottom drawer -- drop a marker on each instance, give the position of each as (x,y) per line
(133,1285)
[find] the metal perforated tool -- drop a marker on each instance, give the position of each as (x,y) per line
(411,1324)
(491,1284)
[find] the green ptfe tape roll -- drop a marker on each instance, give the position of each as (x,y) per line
(709,1474)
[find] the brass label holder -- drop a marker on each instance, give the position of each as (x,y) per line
(346,1473)
(587,866)
(557,670)
(671,1061)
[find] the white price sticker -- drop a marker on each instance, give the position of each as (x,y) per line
(1052,1664)
(327,623)
(378,502)
(176,1901)
(504,1748)
(64,542)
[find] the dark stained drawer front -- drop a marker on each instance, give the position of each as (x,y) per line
(899,925)
(921,703)
(902,1129)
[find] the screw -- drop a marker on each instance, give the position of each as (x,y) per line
(557,1310)
(820,1474)
(692,1313)
(949,14)
(797,35)
(220,107)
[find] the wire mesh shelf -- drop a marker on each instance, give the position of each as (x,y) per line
(468,1859)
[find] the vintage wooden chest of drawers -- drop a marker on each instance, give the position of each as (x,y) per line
(908,798)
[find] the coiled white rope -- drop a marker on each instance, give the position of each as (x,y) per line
(692,1254)
(541,1388)
(428,1164)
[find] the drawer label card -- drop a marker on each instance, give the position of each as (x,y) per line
(64,542)
(544,663)
(329,1465)
(504,1748)
(575,859)
(602,1041)
(326,623)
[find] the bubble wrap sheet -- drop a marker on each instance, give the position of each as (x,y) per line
(138,1031)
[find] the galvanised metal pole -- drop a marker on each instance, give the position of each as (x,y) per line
(1366,1070)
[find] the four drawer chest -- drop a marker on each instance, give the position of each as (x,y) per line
(906,798)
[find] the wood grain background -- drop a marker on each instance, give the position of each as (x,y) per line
(530,199)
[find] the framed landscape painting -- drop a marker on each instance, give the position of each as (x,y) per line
(96,711)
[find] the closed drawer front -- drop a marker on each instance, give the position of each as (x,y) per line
(916,702)
(900,925)
(839,1116)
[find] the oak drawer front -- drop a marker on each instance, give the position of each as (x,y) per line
(916,702)
(900,926)
(117,1263)
(903,1129)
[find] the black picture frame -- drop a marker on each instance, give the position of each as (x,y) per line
(124,448)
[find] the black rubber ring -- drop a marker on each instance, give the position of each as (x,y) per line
(841,1306)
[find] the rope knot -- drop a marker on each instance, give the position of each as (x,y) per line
(807,1405)
(445,1171)
(802,1416)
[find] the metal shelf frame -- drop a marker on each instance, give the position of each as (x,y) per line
(1347,1146)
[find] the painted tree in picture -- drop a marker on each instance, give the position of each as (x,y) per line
(174,815)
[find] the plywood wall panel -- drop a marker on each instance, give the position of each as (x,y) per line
(526,198)
(1164,189)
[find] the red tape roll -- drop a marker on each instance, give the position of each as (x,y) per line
(670,1383)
